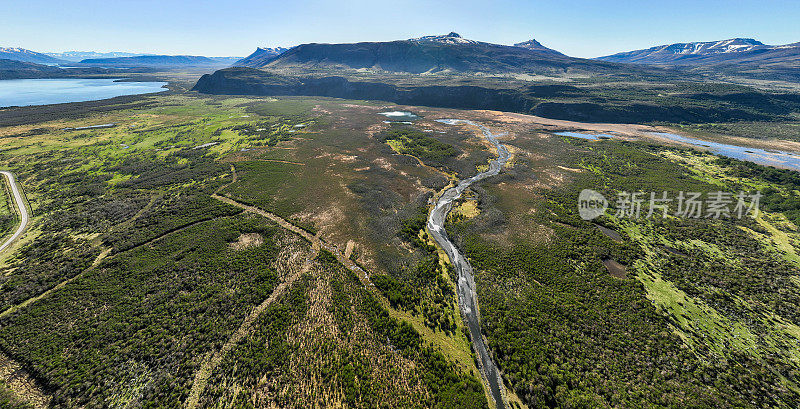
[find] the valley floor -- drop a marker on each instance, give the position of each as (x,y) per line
(212,251)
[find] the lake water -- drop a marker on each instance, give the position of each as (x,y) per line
(400,115)
(589,136)
(57,91)
(779,159)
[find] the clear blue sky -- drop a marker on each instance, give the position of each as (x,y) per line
(582,28)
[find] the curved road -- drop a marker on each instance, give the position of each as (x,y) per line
(467,297)
(23,211)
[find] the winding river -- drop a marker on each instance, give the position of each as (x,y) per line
(467,297)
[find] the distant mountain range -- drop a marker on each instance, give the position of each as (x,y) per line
(76,56)
(162,61)
(741,51)
(429,54)
(21,54)
(456,54)
(11,69)
(116,59)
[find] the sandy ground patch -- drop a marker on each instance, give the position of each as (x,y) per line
(616,269)
(247,240)
(21,383)
(384,163)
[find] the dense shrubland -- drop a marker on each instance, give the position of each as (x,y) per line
(355,345)
(142,281)
(565,333)
(410,141)
(421,287)
(157,310)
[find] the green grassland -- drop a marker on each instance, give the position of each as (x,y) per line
(130,277)
(133,275)
(8,216)
(705,316)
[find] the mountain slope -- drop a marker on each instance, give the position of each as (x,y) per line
(447,53)
(21,54)
(732,51)
(260,57)
(11,69)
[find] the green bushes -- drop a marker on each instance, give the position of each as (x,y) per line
(567,334)
(786,200)
(450,387)
(421,287)
(399,295)
(174,210)
(159,308)
(180,167)
(416,143)
(292,344)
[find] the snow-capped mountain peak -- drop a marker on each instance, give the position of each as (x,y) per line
(452,38)
(21,54)
(732,45)
(16,50)
(534,45)
(728,51)
(274,50)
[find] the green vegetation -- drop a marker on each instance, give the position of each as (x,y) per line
(719,329)
(416,143)
(196,292)
(781,194)
(8,217)
(133,273)
(269,186)
(754,130)
(343,352)
(426,287)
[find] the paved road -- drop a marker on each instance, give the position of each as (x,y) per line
(467,297)
(23,211)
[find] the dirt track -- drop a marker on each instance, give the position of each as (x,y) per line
(23,210)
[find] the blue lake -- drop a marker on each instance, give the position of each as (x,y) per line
(58,91)
(400,116)
(779,159)
(589,136)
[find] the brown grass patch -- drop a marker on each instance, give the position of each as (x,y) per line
(21,383)
(247,240)
(616,269)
